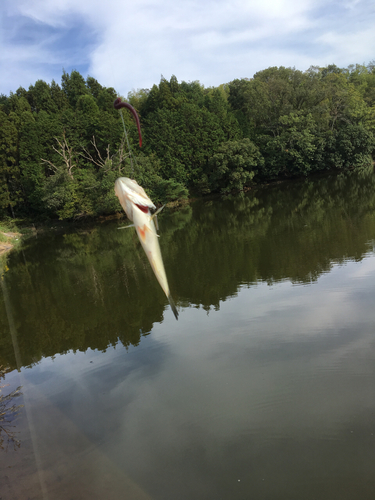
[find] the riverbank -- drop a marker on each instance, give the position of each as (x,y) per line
(12,232)
(10,236)
(7,241)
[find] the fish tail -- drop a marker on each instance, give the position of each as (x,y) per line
(173,306)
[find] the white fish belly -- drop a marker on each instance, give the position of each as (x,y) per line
(147,235)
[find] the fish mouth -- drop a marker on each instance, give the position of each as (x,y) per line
(142,208)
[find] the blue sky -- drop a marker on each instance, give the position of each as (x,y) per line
(129,45)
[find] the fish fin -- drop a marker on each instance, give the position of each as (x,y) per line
(173,306)
(156,224)
(157,211)
(154,215)
(126,227)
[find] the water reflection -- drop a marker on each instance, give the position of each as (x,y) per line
(266,388)
(8,412)
(93,287)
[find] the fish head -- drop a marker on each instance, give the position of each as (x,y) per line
(123,189)
(131,194)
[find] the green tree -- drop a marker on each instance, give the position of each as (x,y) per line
(234,165)
(40,98)
(8,161)
(74,86)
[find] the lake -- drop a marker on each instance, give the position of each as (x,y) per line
(263,389)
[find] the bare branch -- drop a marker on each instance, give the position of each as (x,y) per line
(108,163)
(66,154)
(50,164)
(88,156)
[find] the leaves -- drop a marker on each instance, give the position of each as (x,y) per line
(234,165)
(61,148)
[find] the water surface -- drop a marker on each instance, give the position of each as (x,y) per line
(264,388)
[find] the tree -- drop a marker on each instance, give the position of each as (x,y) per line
(8,161)
(40,98)
(234,165)
(74,87)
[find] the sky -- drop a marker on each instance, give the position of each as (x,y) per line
(130,45)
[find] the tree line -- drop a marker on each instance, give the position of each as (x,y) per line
(63,146)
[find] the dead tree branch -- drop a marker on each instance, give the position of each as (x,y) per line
(66,154)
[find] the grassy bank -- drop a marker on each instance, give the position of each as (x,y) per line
(10,236)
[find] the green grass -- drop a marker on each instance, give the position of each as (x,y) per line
(5,228)
(8,227)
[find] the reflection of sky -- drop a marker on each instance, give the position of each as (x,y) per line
(276,389)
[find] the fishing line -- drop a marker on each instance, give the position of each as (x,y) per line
(128,144)
(131,156)
(133,161)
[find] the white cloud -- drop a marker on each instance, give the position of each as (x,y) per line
(348,45)
(130,44)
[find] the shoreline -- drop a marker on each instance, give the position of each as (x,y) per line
(4,247)
(8,238)
(7,245)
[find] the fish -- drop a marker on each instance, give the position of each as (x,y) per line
(138,206)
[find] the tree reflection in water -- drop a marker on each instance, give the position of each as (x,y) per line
(92,287)
(8,411)
(272,387)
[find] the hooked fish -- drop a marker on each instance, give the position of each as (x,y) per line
(137,207)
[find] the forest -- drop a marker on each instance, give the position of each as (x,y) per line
(63,146)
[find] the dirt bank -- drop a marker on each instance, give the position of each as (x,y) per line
(7,245)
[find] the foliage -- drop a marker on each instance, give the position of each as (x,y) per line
(62,147)
(304,122)
(170,190)
(234,165)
